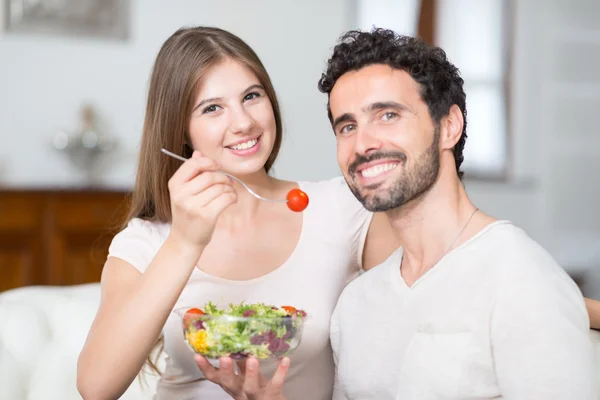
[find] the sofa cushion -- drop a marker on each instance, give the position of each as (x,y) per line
(42,332)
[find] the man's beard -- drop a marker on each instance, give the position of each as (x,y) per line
(415,180)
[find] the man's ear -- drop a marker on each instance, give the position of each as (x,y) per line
(451,127)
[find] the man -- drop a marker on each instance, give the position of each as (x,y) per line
(469,306)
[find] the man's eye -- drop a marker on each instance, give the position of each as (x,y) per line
(347,128)
(251,96)
(389,116)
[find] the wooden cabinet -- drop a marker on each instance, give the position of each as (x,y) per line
(56,237)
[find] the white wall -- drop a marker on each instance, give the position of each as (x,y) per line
(44,80)
(401,16)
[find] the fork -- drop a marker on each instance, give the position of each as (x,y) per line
(178,157)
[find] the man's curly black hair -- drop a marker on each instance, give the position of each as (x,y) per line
(440,81)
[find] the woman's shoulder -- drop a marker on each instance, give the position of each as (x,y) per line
(139,241)
(334,191)
(333,197)
(339,214)
(150,233)
(144,227)
(335,186)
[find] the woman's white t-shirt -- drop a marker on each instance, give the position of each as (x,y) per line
(327,256)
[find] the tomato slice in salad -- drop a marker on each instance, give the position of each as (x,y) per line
(191,315)
(289,309)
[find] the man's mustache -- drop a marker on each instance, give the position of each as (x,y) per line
(362,159)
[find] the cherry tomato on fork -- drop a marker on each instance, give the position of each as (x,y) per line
(297,200)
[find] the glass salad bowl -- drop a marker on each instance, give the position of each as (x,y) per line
(242,331)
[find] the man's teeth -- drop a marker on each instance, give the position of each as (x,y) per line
(378,169)
(245,145)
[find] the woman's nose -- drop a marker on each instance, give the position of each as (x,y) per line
(242,121)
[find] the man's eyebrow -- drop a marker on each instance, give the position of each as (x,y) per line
(342,118)
(380,105)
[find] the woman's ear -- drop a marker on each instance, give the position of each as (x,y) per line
(451,127)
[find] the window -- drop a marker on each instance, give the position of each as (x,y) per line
(474,35)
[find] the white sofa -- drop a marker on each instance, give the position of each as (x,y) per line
(42,331)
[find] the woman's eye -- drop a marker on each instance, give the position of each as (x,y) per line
(251,96)
(210,109)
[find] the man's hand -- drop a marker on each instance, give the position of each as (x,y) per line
(249,384)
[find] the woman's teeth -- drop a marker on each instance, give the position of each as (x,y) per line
(245,145)
(378,169)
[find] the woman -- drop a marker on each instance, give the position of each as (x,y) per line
(193,235)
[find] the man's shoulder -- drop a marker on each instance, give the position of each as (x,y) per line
(372,276)
(370,281)
(516,250)
(520,260)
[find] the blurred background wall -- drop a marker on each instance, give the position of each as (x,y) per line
(533,90)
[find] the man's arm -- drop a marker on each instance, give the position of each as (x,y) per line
(593,307)
(540,339)
(380,242)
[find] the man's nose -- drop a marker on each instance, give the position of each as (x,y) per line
(367,141)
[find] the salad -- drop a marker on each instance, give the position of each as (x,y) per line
(243,330)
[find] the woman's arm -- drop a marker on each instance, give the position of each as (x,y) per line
(593,308)
(135,306)
(132,313)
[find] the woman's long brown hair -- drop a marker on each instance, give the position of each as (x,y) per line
(177,74)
